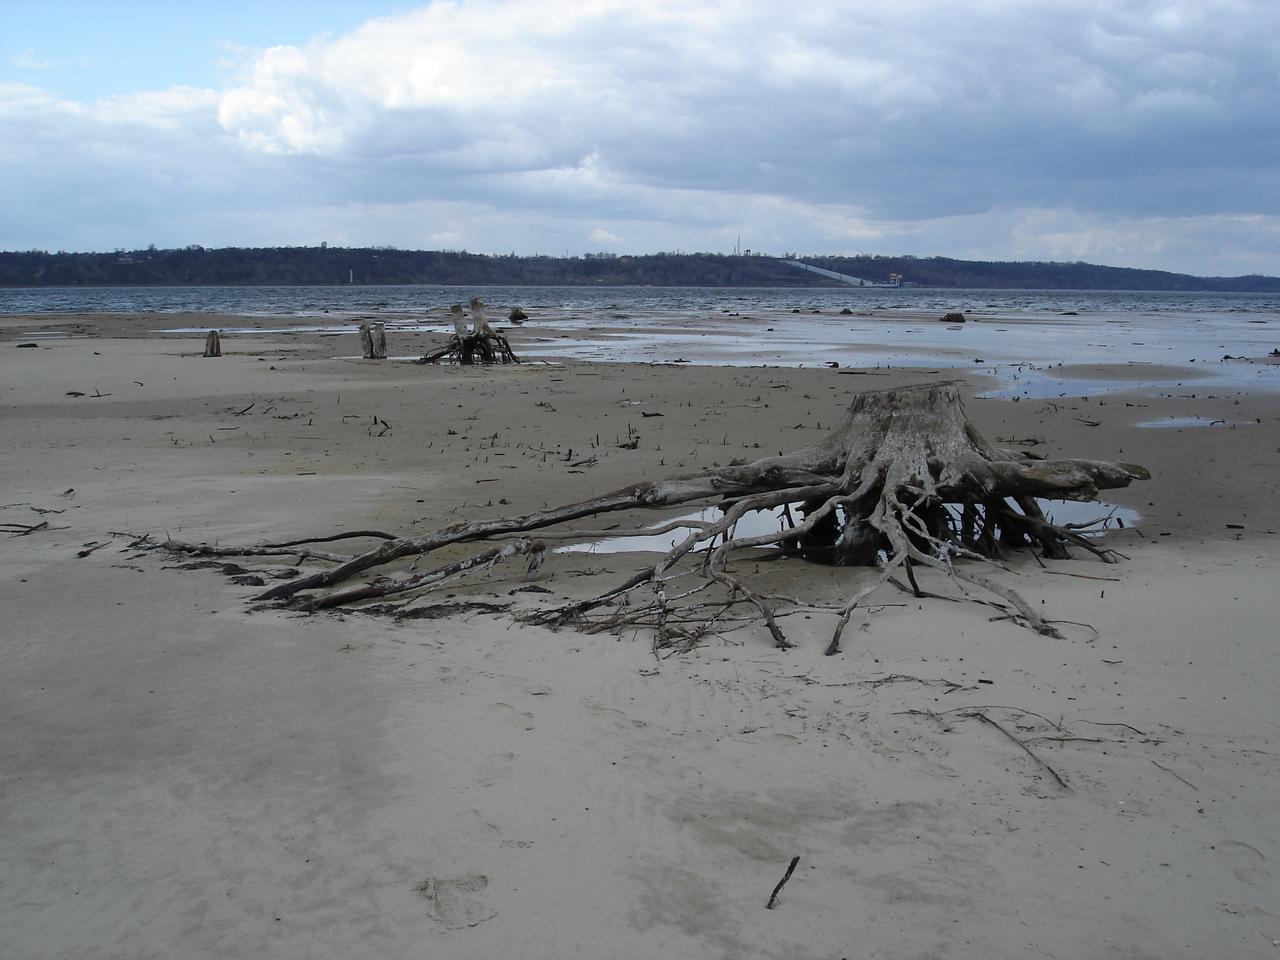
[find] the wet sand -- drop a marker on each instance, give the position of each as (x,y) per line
(186,777)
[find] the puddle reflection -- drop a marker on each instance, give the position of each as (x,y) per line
(1101,515)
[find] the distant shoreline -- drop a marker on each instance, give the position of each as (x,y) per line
(375,267)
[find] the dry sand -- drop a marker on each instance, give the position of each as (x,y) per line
(185,778)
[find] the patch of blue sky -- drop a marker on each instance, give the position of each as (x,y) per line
(84,50)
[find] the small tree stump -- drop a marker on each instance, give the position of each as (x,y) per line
(212,345)
(373,340)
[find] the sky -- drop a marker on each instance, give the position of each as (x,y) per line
(1139,133)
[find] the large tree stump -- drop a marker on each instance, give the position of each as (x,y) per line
(903,483)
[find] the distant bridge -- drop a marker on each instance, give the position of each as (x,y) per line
(832,275)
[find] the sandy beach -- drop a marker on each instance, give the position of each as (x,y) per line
(184,776)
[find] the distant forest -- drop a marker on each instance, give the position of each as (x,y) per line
(322,266)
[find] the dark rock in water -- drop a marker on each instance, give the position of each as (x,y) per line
(28,346)
(1069,313)
(846,311)
(517,315)
(953,317)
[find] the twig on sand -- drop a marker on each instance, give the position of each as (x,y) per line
(977,712)
(26,529)
(773,897)
(1127,726)
(1082,576)
(1030,753)
(1178,775)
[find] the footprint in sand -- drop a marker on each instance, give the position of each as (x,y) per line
(521,718)
(1247,863)
(475,827)
(494,769)
(617,716)
(450,903)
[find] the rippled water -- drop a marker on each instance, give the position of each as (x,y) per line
(1021,338)
(316,301)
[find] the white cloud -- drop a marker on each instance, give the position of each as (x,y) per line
(1064,128)
(27,60)
(601,236)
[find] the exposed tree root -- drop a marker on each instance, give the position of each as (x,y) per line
(473,348)
(479,344)
(904,483)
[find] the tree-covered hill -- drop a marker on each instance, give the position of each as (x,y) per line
(1033,275)
(382,265)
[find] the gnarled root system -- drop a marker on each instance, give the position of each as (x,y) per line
(904,482)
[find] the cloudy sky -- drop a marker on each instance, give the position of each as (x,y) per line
(1119,131)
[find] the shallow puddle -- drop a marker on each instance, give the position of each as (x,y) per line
(1099,515)
(754,524)
(1181,422)
(1109,516)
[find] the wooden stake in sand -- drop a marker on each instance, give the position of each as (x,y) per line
(212,345)
(903,482)
(773,897)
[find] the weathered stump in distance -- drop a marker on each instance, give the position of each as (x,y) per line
(479,344)
(473,348)
(373,340)
(904,483)
(212,344)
